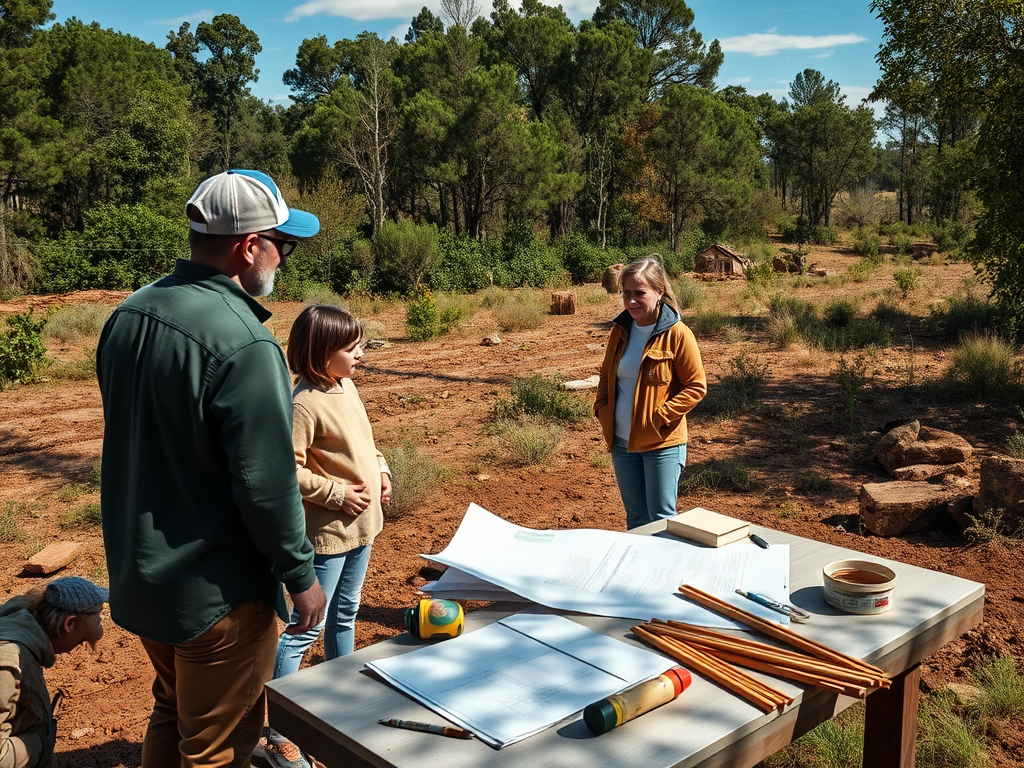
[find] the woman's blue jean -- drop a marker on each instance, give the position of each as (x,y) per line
(648,481)
(341,577)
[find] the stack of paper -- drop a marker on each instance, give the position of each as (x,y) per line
(608,573)
(520,675)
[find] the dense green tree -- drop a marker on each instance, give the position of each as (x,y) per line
(125,128)
(826,146)
(26,134)
(319,68)
(536,40)
(221,80)
(968,58)
(665,29)
(352,129)
(704,153)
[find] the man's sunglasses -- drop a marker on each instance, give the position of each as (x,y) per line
(287,246)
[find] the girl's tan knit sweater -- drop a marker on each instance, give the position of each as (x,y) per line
(334,444)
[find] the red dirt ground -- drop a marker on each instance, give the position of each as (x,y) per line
(439,395)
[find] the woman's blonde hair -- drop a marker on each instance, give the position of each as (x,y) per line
(649,270)
(318,332)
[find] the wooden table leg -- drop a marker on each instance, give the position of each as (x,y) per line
(890,722)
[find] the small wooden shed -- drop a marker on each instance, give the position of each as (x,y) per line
(720,259)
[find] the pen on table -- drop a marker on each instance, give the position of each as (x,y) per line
(789,610)
(441,730)
(759,541)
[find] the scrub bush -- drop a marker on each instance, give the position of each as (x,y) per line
(22,353)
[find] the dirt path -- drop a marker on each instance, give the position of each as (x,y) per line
(439,395)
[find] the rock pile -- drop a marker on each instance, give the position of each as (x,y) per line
(931,470)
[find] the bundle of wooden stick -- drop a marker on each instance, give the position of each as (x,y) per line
(713,655)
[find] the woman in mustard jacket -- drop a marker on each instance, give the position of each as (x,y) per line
(651,377)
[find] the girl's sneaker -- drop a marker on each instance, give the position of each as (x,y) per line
(281,754)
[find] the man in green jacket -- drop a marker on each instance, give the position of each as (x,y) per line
(202,517)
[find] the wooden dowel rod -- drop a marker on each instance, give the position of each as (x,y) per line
(774,630)
(696,664)
(774,655)
(819,680)
(770,693)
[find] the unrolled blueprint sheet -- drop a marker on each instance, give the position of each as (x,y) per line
(519,675)
(607,573)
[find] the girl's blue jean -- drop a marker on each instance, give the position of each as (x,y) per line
(648,481)
(341,577)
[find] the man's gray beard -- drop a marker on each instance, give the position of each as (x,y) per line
(265,285)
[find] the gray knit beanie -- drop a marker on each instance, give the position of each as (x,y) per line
(75,594)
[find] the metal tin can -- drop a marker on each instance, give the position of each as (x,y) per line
(859,586)
(435,619)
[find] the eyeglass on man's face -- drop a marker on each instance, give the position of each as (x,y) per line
(286,246)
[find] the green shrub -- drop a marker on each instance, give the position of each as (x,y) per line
(865,243)
(80,518)
(956,316)
(945,739)
(415,476)
(851,377)
(120,247)
(545,398)
(11,515)
(839,313)
(523,260)
(709,321)
(740,389)
(76,321)
(861,270)
(726,474)
(494,297)
(991,525)
(80,369)
(422,320)
(404,253)
(22,352)
(461,265)
(813,482)
(525,440)
(585,262)
(983,366)
(1002,689)
(319,293)
(522,312)
(1015,445)
(761,274)
(689,293)
(951,237)
(906,279)
(782,329)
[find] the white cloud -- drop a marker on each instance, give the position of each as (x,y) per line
(739,80)
(770,44)
(191,18)
(360,10)
(825,55)
(369,10)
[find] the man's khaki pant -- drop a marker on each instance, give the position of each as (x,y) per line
(210,701)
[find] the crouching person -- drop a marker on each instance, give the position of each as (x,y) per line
(49,619)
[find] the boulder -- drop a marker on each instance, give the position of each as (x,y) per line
(928,471)
(902,506)
(1001,486)
(911,443)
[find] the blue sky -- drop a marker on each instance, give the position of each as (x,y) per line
(766,42)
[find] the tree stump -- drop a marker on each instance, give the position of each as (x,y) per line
(563,303)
